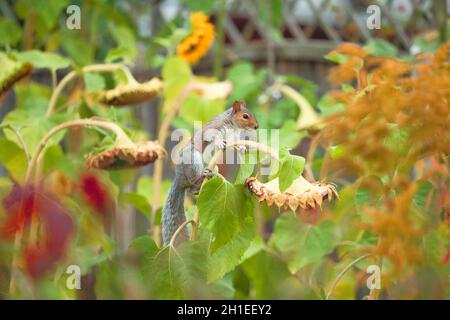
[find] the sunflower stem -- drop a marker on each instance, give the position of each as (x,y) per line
(73,74)
(121,137)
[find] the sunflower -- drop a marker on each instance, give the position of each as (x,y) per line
(300,195)
(132,93)
(122,157)
(196,45)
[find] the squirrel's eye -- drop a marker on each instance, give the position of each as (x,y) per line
(245,116)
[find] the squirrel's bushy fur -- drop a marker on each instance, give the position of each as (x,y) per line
(189,175)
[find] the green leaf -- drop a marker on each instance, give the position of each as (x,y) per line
(93,82)
(230,255)
(246,167)
(267,274)
(205,6)
(47,12)
(197,109)
(175,73)
(301,243)
(290,137)
(422,193)
(145,188)
(173,273)
(247,83)
(47,60)
(380,47)
(308,88)
(290,169)
(139,202)
(362,197)
(10,32)
(109,283)
(33,125)
(327,105)
(284,110)
(88,256)
(78,49)
(126,50)
(5,184)
(336,57)
(224,210)
(336,152)
(13,159)
(143,249)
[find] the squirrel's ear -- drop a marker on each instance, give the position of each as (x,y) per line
(238,105)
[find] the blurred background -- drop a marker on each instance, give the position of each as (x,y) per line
(282,36)
(256,44)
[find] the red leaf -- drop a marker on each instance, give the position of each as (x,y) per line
(55,231)
(20,205)
(58,226)
(94,193)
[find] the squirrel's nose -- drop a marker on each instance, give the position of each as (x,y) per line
(256,126)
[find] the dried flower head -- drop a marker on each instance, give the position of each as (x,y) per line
(300,195)
(12,72)
(130,156)
(132,93)
(197,44)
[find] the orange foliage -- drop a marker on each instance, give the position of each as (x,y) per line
(395,123)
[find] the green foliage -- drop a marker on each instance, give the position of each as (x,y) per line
(224,210)
(380,47)
(10,32)
(303,244)
(243,248)
(93,82)
(247,82)
(176,74)
(126,50)
(291,167)
(13,159)
(45,60)
(197,109)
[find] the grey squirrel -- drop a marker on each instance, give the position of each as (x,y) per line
(190,174)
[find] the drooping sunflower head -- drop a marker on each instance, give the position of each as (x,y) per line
(12,72)
(198,42)
(123,157)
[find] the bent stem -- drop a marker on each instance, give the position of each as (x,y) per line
(248,143)
(21,141)
(308,116)
(195,224)
(342,273)
(121,137)
(73,74)
(177,232)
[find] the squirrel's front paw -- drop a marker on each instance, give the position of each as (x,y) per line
(207,173)
(220,144)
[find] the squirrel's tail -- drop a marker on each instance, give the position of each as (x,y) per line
(173,214)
